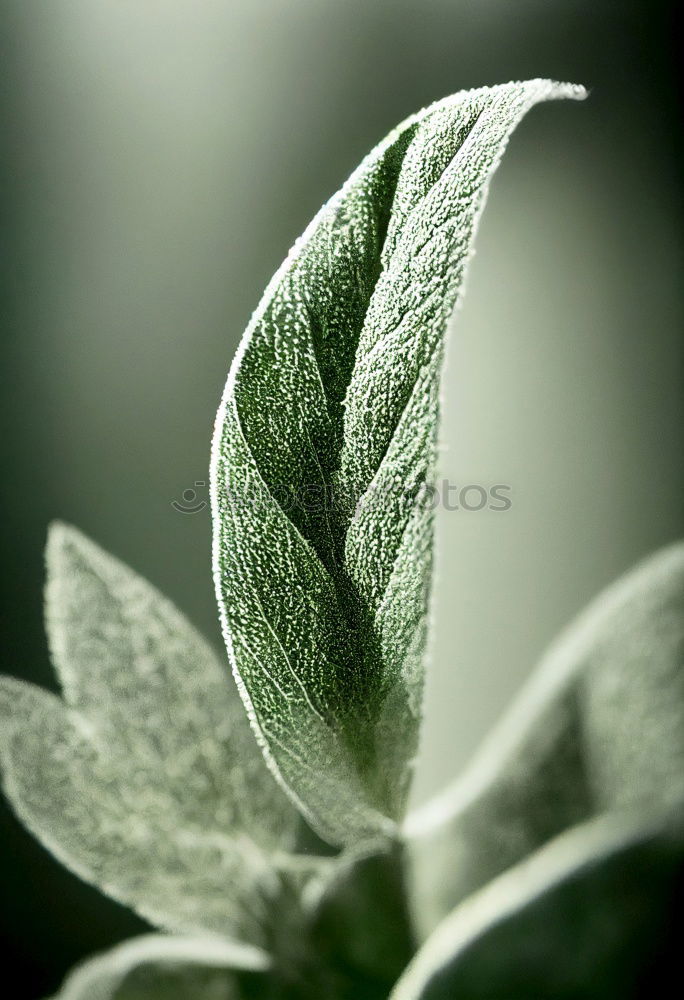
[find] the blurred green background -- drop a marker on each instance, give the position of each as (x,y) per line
(160,157)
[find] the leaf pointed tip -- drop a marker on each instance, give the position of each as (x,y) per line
(572,91)
(535,89)
(561,88)
(65,547)
(63,537)
(540,89)
(68,554)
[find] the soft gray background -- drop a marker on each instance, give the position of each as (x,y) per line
(161,157)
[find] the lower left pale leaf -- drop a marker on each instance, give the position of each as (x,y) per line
(145,778)
(159,967)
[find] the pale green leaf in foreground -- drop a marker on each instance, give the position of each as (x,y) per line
(600,728)
(587,916)
(325,438)
(145,779)
(159,967)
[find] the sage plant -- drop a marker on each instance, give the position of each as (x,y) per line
(258,821)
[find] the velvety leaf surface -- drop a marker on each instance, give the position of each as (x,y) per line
(157,967)
(325,439)
(145,779)
(600,728)
(596,913)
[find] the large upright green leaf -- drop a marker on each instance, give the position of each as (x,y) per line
(145,779)
(324,440)
(595,913)
(599,729)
